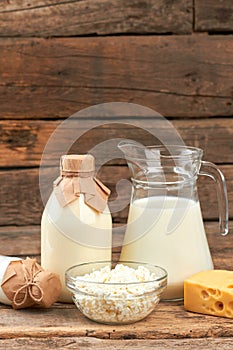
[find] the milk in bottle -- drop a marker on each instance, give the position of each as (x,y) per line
(76,224)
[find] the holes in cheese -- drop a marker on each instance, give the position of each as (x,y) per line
(210,292)
(214,291)
(219,305)
(204,294)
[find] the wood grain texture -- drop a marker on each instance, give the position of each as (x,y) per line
(214,15)
(47,102)
(72,18)
(168,321)
(21,201)
(20,241)
(179,76)
(22,142)
(124,344)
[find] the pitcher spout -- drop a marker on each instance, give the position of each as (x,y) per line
(132,149)
(140,159)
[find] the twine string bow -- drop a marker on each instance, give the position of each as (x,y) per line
(29,290)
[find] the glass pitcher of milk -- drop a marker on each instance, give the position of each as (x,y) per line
(165,225)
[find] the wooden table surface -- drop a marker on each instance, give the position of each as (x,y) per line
(62,326)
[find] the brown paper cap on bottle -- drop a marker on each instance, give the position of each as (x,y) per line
(77,163)
(77,177)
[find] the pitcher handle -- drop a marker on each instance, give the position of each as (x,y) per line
(211,170)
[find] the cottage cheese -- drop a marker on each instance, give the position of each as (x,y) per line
(120,295)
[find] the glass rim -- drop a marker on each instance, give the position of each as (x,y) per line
(70,278)
(195,151)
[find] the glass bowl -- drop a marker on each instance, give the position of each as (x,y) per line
(127,297)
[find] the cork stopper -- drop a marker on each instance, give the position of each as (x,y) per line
(77,163)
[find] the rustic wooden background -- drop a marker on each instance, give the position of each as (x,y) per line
(58,57)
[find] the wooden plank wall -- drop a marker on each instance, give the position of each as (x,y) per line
(59,56)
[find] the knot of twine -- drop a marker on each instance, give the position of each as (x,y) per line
(27,290)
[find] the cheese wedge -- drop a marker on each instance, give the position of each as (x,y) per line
(210,292)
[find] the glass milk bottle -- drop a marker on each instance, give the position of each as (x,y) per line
(76,224)
(165,225)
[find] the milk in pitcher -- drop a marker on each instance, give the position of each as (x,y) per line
(168,231)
